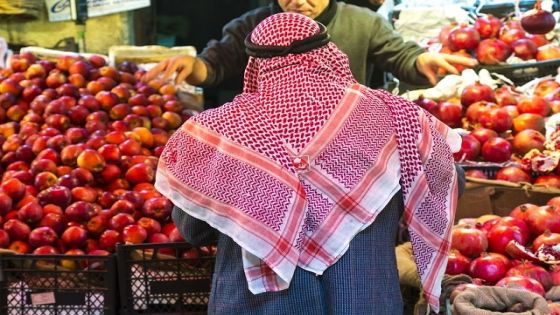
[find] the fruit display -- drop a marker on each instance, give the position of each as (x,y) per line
(493,41)
(519,251)
(504,129)
(80,142)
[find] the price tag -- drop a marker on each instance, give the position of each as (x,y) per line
(42,298)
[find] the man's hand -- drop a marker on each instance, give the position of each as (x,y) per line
(428,63)
(188,68)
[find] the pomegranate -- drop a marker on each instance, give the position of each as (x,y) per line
(477,92)
(496,119)
(549,180)
(473,173)
(505,96)
(535,105)
(528,121)
(554,308)
(527,269)
(522,211)
(489,267)
(444,33)
(548,53)
(492,51)
(488,26)
(554,201)
(496,150)
(470,149)
(524,48)
(544,218)
(469,240)
(483,134)
(463,37)
(546,238)
(487,217)
(500,235)
(518,251)
(428,104)
(508,36)
(487,225)
(512,111)
(513,174)
(555,275)
(546,87)
(538,21)
(549,254)
(527,140)
(518,223)
(450,113)
(477,108)
(522,283)
(538,39)
(457,263)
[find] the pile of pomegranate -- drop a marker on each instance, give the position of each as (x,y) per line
(492,41)
(506,128)
(520,251)
(80,142)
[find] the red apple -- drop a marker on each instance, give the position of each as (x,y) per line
(120,220)
(53,221)
(42,236)
(30,213)
(134,234)
(109,239)
(74,236)
(16,229)
(158,208)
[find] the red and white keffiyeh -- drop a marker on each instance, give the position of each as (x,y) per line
(305,158)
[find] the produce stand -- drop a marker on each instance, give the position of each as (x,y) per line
(98,103)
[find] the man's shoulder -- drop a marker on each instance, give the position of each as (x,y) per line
(255,15)
(355,11)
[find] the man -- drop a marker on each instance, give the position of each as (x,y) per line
(305,175)
(367,39)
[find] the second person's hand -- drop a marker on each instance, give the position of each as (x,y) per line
(187,68)
(428,63)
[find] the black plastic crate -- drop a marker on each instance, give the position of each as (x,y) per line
(489,169)
(522,73)
(58,285)
(153,281)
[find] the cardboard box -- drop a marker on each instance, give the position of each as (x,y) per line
(499,197)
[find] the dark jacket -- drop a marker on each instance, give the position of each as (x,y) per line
(366,37)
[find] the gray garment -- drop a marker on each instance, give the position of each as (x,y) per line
(364,281)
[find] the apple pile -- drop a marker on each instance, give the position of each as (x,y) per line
(504,127)
(79,144)
(492,41)
(520,251)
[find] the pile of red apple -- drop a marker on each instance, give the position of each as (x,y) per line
(492,41)
(508,251)
(503,126)
(80,142)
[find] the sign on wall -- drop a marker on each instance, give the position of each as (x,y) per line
(61,10)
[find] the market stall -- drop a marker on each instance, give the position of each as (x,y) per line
(83,230)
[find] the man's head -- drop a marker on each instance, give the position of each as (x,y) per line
(309,8)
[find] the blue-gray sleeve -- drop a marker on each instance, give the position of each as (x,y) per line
(461,179)
(195,231)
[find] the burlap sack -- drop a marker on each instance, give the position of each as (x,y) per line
(486,300)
